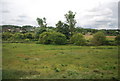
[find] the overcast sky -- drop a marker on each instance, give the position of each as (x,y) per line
(100,14)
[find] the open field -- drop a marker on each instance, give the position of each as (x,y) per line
(87,37)
(36,61)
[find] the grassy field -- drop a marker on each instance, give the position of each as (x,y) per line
(36,61)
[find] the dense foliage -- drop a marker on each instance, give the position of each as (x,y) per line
(17,37)
(117,39)
(62,31)
(6,35)
(70,19)
(99,38)
(63,28)
(52,38)
(78,39)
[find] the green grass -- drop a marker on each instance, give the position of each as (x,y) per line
(36,61)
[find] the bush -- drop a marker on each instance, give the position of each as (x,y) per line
(38,31)
(78,39)
(117,40)
(18,36)
(52,38)
(6,35)
(29,36)
(99,38)
(27,40)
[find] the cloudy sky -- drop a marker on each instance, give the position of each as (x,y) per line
(100,14)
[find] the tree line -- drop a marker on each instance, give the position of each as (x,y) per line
(64,33)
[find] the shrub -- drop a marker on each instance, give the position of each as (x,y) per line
(98,39)
(78,39)
(29,36)
(52,38)
(38,31)
(27,40)
(117,40)
(18,36)
(6,35)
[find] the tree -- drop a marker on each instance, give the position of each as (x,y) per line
(70,19)
(42,22)
(78,39)
(63,28)
(99,38)
(38,31)
(59,26)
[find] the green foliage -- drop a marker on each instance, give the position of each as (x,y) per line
(59,26)
(27,40)
(57,70)
(70,19)
(63,28)
(99,38)
(112,32)
(85,30)
(6,35)
(10,26)
(52,38)
(28,35)
(42,22)
(18,36)
(40,30)
(78,39)
(117,39)
(27,26)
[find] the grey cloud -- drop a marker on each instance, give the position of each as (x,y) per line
(19,20)
(104,15)
(102,21)
(5,11)
(17,15)
(22,16)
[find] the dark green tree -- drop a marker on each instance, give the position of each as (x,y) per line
(63,28)
(42,22)
(59,26)
(70,19)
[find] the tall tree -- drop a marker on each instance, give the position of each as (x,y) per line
(59,26)
(62,28)
(42,22)
(70,19)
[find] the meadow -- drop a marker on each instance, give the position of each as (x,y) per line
(38,61)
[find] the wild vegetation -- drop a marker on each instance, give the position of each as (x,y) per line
(64,51)
(39,61)
(66,29)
